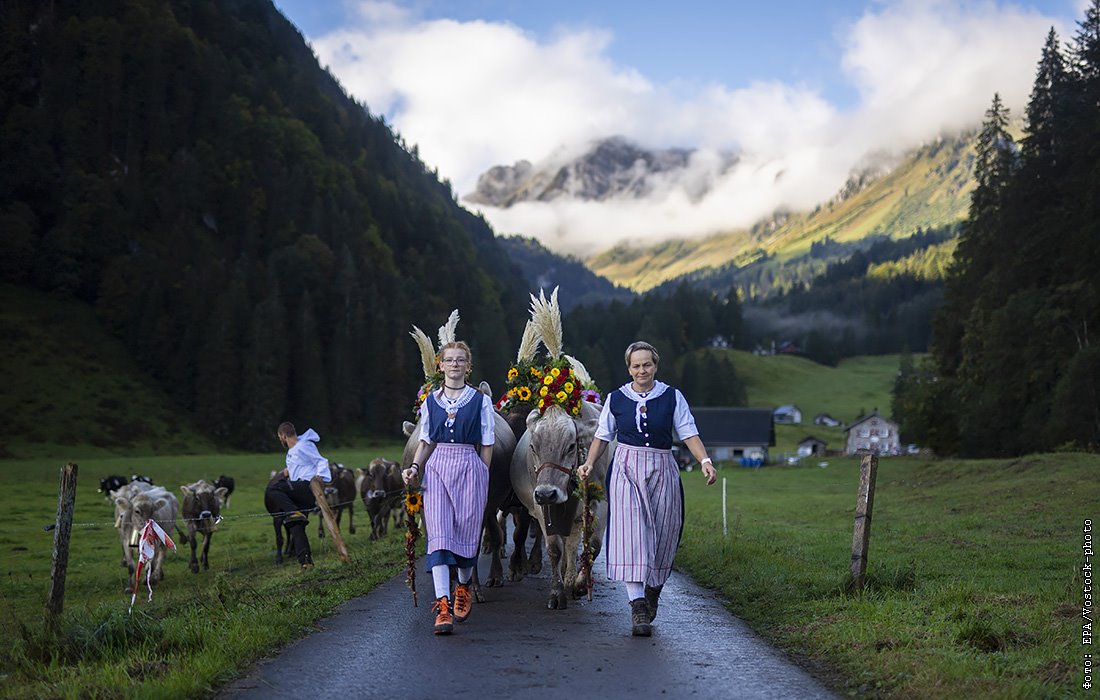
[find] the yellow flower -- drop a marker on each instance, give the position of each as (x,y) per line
(535,372)
(561,396)
(576,410)
(543,392)
(542,403)
(548,380)
(568,387)
(413,502)
(555,372)
(523,393)
(513,373)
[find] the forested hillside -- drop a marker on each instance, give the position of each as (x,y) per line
(1016,367)
(259,241)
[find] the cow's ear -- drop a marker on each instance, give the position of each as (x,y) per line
(221,492)
(187,491)
(407,428)
(484,388)
(160,503)
(532,417)
(122,502)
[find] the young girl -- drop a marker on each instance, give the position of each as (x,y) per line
(456,437)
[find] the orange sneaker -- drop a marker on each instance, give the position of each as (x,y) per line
(464,601)
(444,622)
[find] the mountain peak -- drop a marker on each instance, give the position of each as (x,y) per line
(610,168)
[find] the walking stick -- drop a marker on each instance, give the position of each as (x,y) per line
(329,518)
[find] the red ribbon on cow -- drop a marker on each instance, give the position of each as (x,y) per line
(147,549)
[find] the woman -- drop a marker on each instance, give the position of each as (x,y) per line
(645,497)
(456,439)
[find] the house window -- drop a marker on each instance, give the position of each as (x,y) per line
(864,432)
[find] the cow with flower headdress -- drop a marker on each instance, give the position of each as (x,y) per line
(560,426)
(503,446)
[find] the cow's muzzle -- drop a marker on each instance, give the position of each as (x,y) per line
(546,495)
(206,515)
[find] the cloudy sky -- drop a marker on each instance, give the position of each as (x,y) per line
(802,90)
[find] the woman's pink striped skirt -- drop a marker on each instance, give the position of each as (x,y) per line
(645,515)
(456,487)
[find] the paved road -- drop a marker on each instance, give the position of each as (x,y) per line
(379,646)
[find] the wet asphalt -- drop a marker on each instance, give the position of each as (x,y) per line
(380,646)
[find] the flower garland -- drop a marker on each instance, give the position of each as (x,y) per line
(434,382)
(414,502)
(530,385)
(522,385)
(588,493)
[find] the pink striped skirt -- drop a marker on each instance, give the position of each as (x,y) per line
(456,488)
(645,515)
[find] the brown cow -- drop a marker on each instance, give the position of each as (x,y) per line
(340,494)
(380,487)
(202,507)
(543,477)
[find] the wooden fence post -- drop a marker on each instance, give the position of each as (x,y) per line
(66,499)
(329,518)
(861,536)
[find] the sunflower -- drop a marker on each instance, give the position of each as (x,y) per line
(413,502)
(513,373)
(523,393)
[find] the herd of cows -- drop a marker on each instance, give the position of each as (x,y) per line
(137,500)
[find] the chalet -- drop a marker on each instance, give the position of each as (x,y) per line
(811,447)
(826,420)
(788,415)
(740,435)
(873,433)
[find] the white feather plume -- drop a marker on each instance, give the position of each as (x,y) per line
(427,352)
(580,370)
(528,344)
(546,316)
(447,330)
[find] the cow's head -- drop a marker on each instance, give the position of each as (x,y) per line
(202,501)
(374,490)
(141,508)
(558,442)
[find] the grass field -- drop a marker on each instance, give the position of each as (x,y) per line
(199,629)
(975,580)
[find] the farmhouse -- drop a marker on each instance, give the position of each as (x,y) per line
(810,446)
(740,435)
(788,414)
(872,433)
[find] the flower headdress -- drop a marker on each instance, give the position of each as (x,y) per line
(429,357)
(524,377)
(560,385)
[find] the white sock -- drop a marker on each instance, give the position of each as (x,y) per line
(465,574)
(635,589)
(441,575)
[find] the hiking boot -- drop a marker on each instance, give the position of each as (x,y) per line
(296,517)
(464,601)
(444,622)
(652,594)
(639,618)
